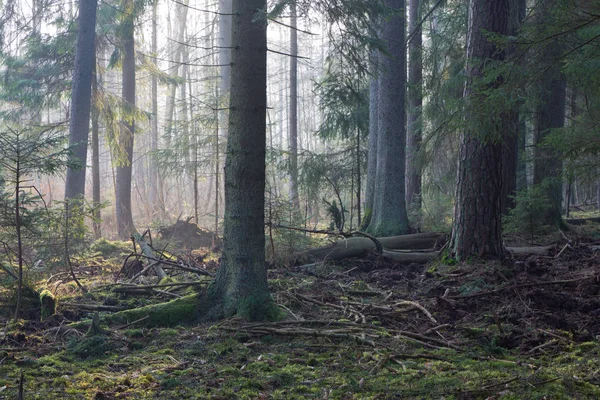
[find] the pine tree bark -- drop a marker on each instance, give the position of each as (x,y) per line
(240,286)
(415,104)
(96,157)
(153,192)
(389,217)
(81,98)
(549,115)
(476,229)
(125,226)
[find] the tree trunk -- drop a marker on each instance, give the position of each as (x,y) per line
(476,230)
(153,193)
(549,115)
(96,157)
(125,224)
(373,125)
(510,156)
(241,283)
(415,104)
(389,215)
(79,126)
(293,138)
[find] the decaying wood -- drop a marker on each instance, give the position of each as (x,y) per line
(582,221)
(148,252)
(358,247)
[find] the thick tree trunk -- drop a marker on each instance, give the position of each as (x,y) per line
(293,138)
(415,104)
(79,126)
(476,230)
(549,115)
(389,215)
(241,283)
(125,224)
(373,127)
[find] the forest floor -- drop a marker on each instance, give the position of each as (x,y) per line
(359,329)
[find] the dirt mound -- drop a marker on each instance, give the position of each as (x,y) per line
(188,235)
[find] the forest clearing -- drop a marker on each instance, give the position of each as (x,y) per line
(289,199)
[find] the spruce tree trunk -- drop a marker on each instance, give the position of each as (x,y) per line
(389,217)
(240,286)
(293,138)
(549,115)
(476,229)
(125,224)
(81,98)
(415,104)
(373,125)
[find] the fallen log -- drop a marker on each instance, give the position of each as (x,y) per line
(582,221)
(359,246)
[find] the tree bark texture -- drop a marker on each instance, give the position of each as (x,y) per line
(549,115)
(372,156)
(240,286)
(415,105)
(81,95)
(96,156)
(476,230)
(389,215)
(125,224)
(153,192)
(293,138)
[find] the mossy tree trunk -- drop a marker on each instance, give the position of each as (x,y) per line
(476,230)
(240,286)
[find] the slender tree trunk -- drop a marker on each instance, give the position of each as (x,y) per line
(549,115)
(96,157)
(241,283)
(18,230)
(79,126)
(389,217)
(510,158)
(293,144)
(358,179)
(373,128)
(476,229)
(153,178)
(415,104)
(125,224)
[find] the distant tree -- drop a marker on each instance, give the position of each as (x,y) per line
(414,105)
(125,224)
(476,229)
(293,124)
(81,97)
(240,286)
(549,113)
(389,216)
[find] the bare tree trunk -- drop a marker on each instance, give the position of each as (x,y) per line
(241,283)
(125,224)
(415,104)
(153,193)
(79,126)
(389,215)
(96,157)
(476,230)
(373,125)
(549,115)
(293,138)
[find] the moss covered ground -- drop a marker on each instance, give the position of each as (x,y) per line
(362,329)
